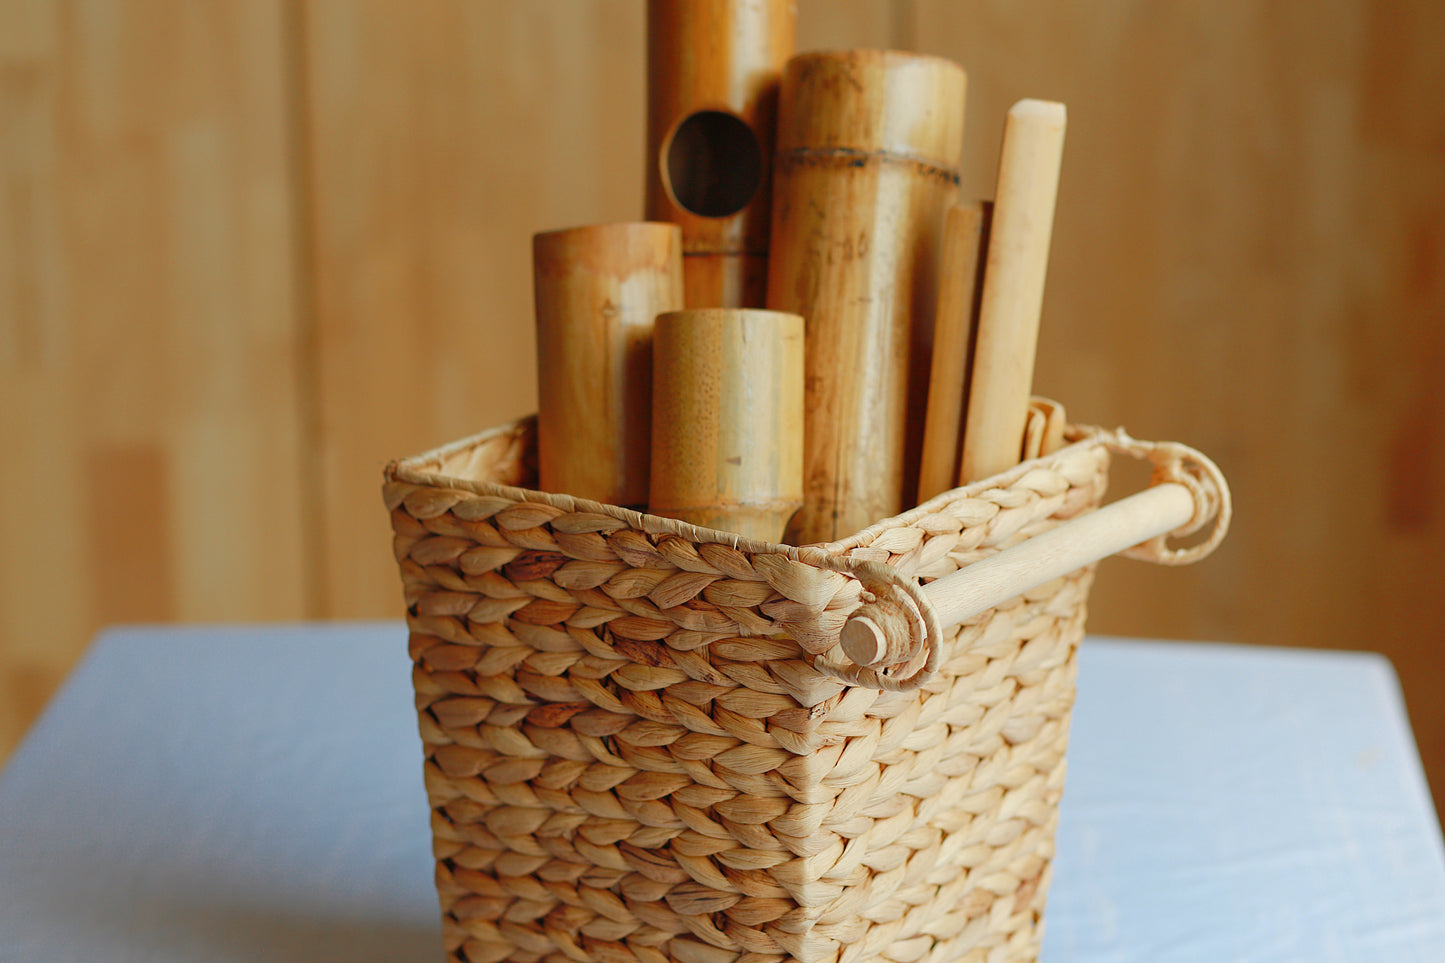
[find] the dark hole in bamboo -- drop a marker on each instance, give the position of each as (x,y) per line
(714,164)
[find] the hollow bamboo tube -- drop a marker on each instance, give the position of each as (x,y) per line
(727,419)
(712,90)
(965,229)
(868,147)
(597,290)
(993,580)
(1013,288)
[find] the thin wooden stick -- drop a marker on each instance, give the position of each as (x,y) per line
(965,232)
(1013,288)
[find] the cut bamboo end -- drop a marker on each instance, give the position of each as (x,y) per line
(727,424)
(597,289)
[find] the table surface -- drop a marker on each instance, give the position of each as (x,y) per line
(248,793)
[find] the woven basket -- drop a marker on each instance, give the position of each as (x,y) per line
(643,742)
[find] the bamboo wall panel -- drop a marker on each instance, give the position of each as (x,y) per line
(440,141)
(148,338)
(1249,258)
(250,250)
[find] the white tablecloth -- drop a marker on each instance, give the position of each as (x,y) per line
(254,793)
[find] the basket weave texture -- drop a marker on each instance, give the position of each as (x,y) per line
(642,742)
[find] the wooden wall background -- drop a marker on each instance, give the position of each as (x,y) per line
(252,249)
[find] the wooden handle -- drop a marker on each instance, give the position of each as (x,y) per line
(1013,288)
(965,230)
(868,146)
(712,90)
(727,422)
(1069,547)
(597,291)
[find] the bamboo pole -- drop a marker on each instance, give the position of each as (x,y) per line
(965,233)
(727,419)
(868,146)
(712,87)
(1013,288)
(597,290)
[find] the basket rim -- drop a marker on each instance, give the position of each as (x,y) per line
(413,470)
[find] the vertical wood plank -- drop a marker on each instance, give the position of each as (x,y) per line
(835,25)
(147,327)
(1247,259)
(442,136)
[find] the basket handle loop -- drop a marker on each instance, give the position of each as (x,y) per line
(1186,492)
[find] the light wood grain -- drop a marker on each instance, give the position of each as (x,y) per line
(728,419)
(149,329)
(441,138)
(867,148)
(1254,271)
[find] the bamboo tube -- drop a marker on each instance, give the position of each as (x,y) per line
(712,86)
(727,419)
(1013,288)
(597,291)
(965,229)
(868,146)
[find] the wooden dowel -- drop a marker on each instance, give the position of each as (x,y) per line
(597,291)
(1013,288)
(868,146)
(965,230)
(712,90)
(993,580)
(727,421)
